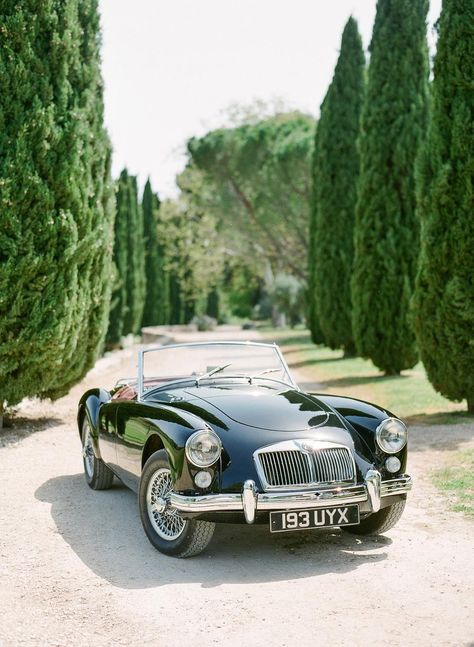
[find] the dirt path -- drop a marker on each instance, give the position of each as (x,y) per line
(77,569)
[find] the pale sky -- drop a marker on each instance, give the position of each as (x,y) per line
(171,68)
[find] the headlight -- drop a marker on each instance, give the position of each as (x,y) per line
(391,435)
(203,448)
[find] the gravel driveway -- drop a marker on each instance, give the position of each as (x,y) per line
(76,567)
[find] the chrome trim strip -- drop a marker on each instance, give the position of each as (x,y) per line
(250,501)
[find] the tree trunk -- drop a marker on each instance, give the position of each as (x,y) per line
(392,373)
(470,404)
(349,352)
(1,414)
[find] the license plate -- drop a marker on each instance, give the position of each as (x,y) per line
(318,518)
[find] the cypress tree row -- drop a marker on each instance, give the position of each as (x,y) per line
(312,315)
(56,197)
(135,276)
(157,290)
(335,172)
(386,241)
(444,295)
(118,306)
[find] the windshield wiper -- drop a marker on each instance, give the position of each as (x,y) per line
(267,370)
(209,373)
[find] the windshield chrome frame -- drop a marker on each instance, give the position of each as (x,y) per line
(143,351)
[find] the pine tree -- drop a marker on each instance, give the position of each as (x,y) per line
(56,197)
(157,294)
(335,172)
(118,307)
(135,276)
(386,240)
(444,295)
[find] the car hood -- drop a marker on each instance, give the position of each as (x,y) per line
(264,408)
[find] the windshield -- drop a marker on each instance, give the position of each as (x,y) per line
(212,361)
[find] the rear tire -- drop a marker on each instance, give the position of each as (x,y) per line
(378,522)
(167,531)
(98,475)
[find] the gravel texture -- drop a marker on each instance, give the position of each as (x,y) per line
(76,567)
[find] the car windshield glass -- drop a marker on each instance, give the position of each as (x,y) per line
(212,362)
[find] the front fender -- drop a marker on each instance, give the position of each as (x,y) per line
(364,417)
(89,405)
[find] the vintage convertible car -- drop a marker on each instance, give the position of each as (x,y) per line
(212,432)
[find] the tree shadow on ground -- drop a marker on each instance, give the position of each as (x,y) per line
(312,361)
(104,530)
(294,340)
(19,428)
(356,380)
(443,437)
(441,418)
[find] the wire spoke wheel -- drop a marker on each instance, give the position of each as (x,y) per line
(166,521)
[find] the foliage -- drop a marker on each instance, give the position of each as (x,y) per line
(312,317)
(257,182)
(286,296)
(192,248)
(386,234)
(135,274)
(335,174)
(457,481)
(411,397)
(444,297)
(156,310)
(118,306)
(56,197)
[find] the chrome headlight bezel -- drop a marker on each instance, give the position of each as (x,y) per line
(383,429)
(191,449)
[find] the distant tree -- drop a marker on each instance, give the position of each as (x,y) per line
(156,310)
(56,198)
(257,180)
(335,173)
(386,241)
(118,306)
(286,296)
(135,280)
(444,295)
(213,303)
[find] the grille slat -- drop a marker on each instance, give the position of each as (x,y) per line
(294,467)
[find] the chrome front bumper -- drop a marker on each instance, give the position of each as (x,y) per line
(250,501)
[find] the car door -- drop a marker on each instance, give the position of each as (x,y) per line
(131,435)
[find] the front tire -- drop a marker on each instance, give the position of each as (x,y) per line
(98,475)
(378,522)
(165,528)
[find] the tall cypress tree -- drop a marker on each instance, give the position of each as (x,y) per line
(312,317)
(335,172)
(118,307)
(386,241)
(157,292)
(56,197)
(444,295)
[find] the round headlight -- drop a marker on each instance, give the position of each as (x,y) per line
(203,448)
(391,435)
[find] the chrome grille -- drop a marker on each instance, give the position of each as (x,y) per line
(286,468)
(294,467)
